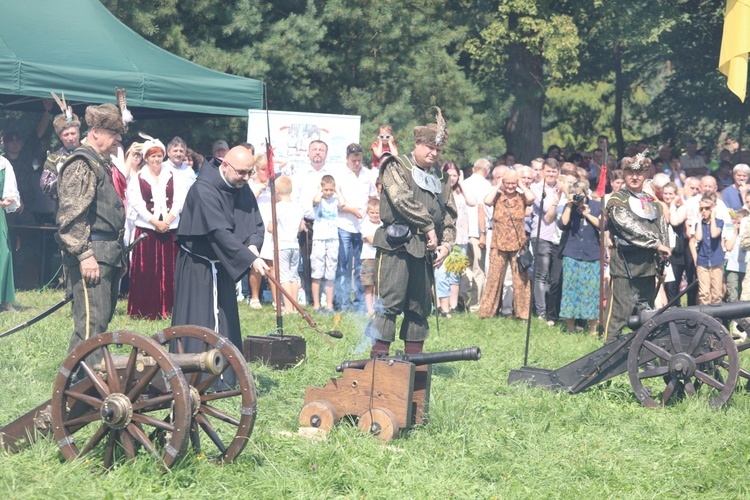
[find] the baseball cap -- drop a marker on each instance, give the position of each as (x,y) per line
(220,144)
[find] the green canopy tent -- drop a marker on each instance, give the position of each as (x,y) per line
(79,48)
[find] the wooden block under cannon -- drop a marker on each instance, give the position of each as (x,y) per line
(278,351)
(380,384)
(384,394)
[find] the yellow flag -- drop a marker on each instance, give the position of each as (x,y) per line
(735,44)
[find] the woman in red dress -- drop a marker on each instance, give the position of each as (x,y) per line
(156,196)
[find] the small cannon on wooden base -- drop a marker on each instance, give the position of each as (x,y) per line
(386,394)
(147,393)
(672,352)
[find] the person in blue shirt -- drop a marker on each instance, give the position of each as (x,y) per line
(580,258)
(708,252)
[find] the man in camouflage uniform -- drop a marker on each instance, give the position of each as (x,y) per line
(639,233)
(416,195)
(91,218)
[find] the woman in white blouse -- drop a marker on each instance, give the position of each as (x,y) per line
(156,196)
(10,201)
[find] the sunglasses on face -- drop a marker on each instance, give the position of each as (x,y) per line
(385,136)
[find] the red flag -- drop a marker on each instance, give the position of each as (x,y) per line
(270,171)
(602,186)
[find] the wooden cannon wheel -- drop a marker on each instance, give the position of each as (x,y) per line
(380,422)
(319,414)
(687,350)
(227,417)
(114,407)
(744,374)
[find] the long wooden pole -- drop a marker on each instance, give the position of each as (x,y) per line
(536,263)
(741,134)
(602,247)
(275,234)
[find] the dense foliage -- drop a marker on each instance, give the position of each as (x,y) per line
(509,74)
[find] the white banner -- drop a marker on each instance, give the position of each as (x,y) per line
(291,134)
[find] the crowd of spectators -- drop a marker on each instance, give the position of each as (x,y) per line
(326,214)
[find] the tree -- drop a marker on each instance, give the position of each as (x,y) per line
(398,62)
(277,42)
(696,102)
(529,43)
(508,74)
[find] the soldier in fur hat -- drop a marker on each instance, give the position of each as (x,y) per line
(418,232)
(639,233)
(91,220)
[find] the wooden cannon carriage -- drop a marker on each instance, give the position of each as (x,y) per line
(146,393)
(385,394)
(672,352)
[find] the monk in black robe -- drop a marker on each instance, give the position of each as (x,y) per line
(220,235)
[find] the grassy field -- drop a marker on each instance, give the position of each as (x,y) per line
(485,439)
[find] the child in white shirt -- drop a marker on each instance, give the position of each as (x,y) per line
(324,256)
(288,223)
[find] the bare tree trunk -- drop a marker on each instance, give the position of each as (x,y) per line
(619,96)
(525,75)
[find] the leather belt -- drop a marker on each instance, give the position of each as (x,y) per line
(102,236)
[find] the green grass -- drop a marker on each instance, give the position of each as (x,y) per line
(484,438)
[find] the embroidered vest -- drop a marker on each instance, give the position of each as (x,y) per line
(148,196)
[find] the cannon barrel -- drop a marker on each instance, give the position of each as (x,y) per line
(210,361)
(423,358)
(719,310)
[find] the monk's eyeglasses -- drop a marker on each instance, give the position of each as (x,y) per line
(241,173)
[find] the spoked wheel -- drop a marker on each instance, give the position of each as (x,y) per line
(744,374)
(227,417)
(96,404)
(686,350)
(380,422)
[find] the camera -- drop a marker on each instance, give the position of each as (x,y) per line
(579,199)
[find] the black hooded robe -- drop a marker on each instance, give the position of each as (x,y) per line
(218,223)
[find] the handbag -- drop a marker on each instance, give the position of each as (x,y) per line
(397,234)
(524,257)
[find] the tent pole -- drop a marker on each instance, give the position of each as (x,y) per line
(275,235)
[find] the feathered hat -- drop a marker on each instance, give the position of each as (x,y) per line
(637,163)
(151,143)
(110,117)
(434,134)
(66,118)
